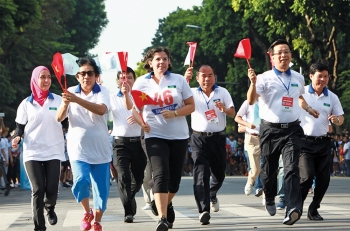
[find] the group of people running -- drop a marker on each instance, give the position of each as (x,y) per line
(156,136)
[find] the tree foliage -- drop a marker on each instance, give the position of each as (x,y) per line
(31,31)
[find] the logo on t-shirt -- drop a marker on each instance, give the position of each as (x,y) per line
(326,104)
(53,108)
(294,85)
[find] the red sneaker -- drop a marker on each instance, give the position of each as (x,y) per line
(86,222)
(97,226)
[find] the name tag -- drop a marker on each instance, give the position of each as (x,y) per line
(287,103)
(53,108)
(211,116)
(326,104)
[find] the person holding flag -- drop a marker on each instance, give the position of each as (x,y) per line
(279,90)
(43,148)
(129,159)
(165,126)
(208,140)
(86,106)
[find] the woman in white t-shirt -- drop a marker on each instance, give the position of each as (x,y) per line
(86,106)
(166,129)
(43,148)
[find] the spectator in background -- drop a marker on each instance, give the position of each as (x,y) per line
(346,153)
(3,160)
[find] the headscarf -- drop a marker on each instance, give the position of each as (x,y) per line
(38,94)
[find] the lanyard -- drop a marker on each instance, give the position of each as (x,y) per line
(207,102)
(290,78)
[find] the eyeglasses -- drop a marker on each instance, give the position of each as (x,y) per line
(83,73)
(286,52)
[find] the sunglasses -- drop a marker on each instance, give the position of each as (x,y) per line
(83,73)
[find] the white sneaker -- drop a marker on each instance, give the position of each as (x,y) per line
(214,204)
(147,207)
(263,201)
(248,188)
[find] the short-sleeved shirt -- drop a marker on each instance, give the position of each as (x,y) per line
(1,147)
(169,94)
(347,147)
(203,103)
(4,143)
(327,103)
(248,111)
(88,138)
(43,137)
(272,87)
(120,125)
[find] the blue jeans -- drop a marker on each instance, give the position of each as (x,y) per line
(280,190)
(258,183)
(247,159)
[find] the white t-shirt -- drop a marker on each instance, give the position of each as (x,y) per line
(120,125)
(347,147)
(248,111)
(272,87)
(4,144)
(203,104)
(43,137)
(169,95)
(326,104)
(88,138)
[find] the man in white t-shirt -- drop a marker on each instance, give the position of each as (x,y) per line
(129,159)
(279,91)
(316,144)
(208,122)
(346,153)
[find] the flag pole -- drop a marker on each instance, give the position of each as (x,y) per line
(249,64)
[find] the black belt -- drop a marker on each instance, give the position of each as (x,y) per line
(128,139)
(209,133)
(281,125)
(315,138)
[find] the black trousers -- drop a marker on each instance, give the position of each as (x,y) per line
(13,171)
(209,157)
(286,142)
(44,178)
(130,162)
(314,161)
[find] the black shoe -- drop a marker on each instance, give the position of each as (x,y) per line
(65,185)
(171,215)
(51,217)
(154,208)
(270,206)
(128,219)
(7,190)
(162,225)
(292,216)
(204,218)
(314,216)
(134,206)
(259,192)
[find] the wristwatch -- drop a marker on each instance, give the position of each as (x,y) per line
(175,112)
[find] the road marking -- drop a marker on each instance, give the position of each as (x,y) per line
(8,218)
(73,218)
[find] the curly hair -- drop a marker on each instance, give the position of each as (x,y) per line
(150,55)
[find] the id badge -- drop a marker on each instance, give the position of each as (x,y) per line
(211,116)
(287,103)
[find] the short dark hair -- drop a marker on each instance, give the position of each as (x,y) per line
(278,42)
(204,65)
(89,61)
(318,67)
(150,54)
(128,70)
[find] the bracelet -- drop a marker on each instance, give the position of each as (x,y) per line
(307,107)
(175,112)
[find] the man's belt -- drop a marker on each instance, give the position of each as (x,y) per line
(128,139)
(281,125)
(315,138)
(209,133)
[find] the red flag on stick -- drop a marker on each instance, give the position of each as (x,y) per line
(123,60)
(141,99)
(190,54)
(244,50)
(58,68)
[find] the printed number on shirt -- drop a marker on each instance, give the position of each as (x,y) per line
(167,98)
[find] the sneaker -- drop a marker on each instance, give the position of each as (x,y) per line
(214,204)
(97,226)
(86,222)
(65,185)
(7,191)
(170,215)
(204,218)
(258,192)
(162,225)
(248,189)
(128,218)
(292,216)
(154,208)
(51,217)
(146,207)
(281,205)
(270,206)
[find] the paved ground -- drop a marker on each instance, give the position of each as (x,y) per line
(237,211)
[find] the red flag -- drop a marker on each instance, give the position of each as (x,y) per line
(141,99)
(244,50)
(123,60)
(58,68)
